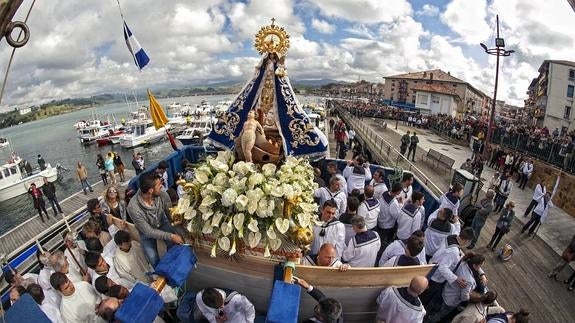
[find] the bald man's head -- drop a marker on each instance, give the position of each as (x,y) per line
(326,255)
(418,285)
(368,191)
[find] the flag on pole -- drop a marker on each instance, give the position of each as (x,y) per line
(140,57)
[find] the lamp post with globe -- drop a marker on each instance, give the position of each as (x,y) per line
(498,50)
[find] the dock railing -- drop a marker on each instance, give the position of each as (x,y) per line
(385,151)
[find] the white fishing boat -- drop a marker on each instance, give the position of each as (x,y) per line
(141,130)
(222,106)
(15,179)
(174,107)
(96,129)
(195,132)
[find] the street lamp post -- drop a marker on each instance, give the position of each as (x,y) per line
(498,51)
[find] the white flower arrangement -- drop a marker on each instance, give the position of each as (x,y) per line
(234,202)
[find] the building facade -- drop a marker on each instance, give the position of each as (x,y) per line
(550,96)
(402,90)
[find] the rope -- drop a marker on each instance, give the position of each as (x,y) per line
(12,54)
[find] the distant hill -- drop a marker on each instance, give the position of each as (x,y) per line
(317,83)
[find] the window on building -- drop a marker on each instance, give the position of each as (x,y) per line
(571,75)
(570,90)
(435,99)
(567,112)
(422,99)
(413,99)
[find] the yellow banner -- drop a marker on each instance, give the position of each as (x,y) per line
(157,112)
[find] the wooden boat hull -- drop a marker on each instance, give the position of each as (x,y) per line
(356,289)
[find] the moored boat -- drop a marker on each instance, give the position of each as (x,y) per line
(195,132)
(96,129)
(15,179)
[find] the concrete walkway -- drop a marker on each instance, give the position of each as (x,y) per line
(556,231)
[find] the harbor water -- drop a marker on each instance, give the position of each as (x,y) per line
(56,140)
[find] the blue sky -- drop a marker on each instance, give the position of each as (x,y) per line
(77,49)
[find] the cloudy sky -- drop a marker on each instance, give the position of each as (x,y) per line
(77,48)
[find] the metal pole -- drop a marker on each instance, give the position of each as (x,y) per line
(492,116)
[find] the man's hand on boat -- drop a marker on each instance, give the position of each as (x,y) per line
(461,282)
(301,282)
(176,239)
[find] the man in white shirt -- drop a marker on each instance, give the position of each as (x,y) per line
(332,170)
(525,173)
(444,225)
(453,293)
(72,252)
(105,267)
(44,278)
(218,306)
(411,216)
(539,214)
(400,305)
(130,261)
(450,199)
(447,258)
(362,249)
(369,209)
(540,190)
(327,257)
(331,231)
(389,212)
(398,248)
(406,188)
(49,308)
(60,264)
(78,300)
(413,248)
(335,192)
(356,174)
(378,183)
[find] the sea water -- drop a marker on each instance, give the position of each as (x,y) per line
(56,139)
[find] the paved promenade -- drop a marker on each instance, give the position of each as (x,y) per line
(556,231)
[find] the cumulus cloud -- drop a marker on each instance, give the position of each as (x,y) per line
(467,19)
(322,26)
(365,11)
(77,48)
(428,10)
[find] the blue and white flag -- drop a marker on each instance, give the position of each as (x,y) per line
(140,57)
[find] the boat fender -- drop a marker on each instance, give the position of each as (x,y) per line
(23,29)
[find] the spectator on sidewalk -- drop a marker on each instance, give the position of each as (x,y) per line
(541,211)
(503,192)
(569,149)
(484,208)
(503,225)
(494,182)
(412,146)
(405,142)
(350,138)
(540,190)
(525,173)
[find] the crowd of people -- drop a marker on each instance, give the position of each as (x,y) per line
(361,226)
(556,147)
(373,225)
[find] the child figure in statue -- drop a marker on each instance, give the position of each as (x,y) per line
(248,135)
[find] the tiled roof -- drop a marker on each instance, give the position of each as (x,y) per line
(435,88)
(438,75)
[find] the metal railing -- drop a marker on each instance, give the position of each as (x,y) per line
(546,150)
(387,151)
